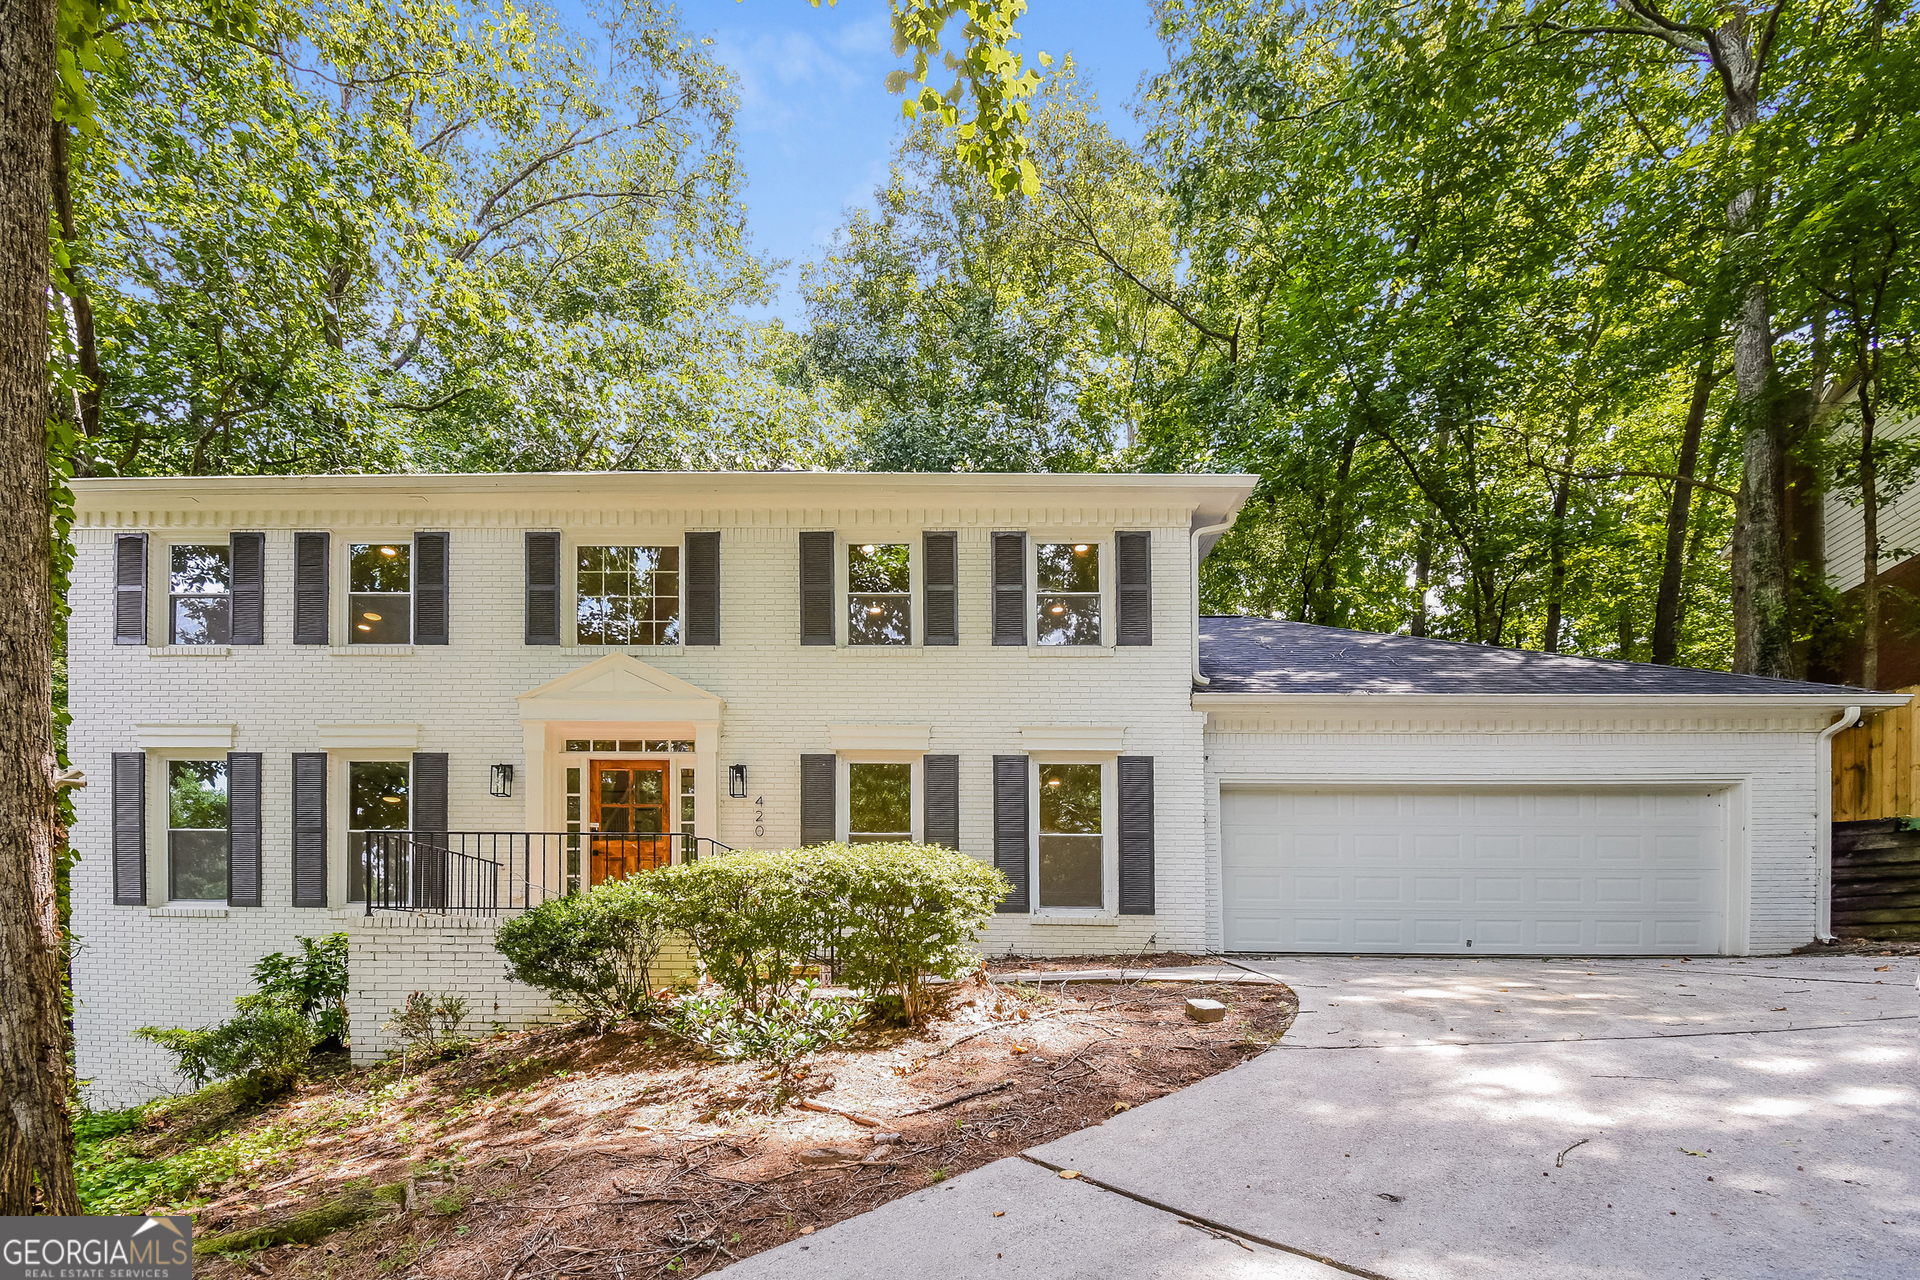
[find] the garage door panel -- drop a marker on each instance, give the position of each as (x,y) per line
(1472,871)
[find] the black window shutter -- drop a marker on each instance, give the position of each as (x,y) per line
(942,786)
(938,565)
(543,588)
(1010,590)
(310,829)
(816,588)
(817,807)
(249,591)
(243,828)
(129,828)
(1134,576)
(430,870)
(130,588)
(1010,839)
(1136,835)
(429,588)
(703,588)
(310,561)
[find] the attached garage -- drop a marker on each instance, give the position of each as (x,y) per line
(1600,872)
(1395,794)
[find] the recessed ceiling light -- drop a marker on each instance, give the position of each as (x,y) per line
(1081,549)
(365,627)
(388,551)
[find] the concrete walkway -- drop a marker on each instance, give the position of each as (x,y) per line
(1440,1119)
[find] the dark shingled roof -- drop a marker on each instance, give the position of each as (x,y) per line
(1266,655)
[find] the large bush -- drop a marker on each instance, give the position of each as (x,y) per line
(754,918)
(907,912)
(594,951)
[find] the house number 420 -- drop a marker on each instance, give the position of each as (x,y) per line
(759,816)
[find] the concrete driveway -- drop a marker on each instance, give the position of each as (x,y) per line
(1430,1119)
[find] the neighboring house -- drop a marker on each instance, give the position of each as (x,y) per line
(1841,554)
(404,706)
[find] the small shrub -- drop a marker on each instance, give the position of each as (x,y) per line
(315,982)
(263,1048)
(594,951)
(426,1024)
(754,917)
(784,1032)
(910,912)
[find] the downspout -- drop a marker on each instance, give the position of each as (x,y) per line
(1823,837)
(1194,548)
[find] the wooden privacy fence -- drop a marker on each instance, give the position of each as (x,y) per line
(1876,773)
(1876,858)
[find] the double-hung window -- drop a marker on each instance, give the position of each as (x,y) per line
(380,592)
(196,830)
(1067,594)
(199,600)
(379,798)
(879,593)
(1072,862)
(879,802)
(627,595)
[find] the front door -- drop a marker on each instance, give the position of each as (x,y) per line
(628,813)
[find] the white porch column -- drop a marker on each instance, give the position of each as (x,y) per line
(709,784)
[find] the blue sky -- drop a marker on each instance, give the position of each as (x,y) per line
(817,127)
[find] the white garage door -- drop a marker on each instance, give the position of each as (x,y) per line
(1532,872)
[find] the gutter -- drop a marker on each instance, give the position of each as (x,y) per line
(1823,824)
(1200,681)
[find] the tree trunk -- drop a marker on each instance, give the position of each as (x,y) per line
(86,345)
(1557,574)
(1870,528)
(1422,576)
(1666,608)
(36,1134)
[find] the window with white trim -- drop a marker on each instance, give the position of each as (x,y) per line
(627,595)
(199,599)
(1071,863)
(879,593)
(379,798)
(197,830)
(1067,593)
(380,592)
(879,802)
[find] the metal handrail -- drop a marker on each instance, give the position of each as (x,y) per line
(488,872)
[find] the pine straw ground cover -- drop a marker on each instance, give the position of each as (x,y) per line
(557,1153)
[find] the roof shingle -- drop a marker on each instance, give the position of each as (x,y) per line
(1267,655)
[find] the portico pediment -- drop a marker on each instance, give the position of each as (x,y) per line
(619,687)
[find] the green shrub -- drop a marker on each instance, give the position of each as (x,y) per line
(908,912)
(753,917)
(316,982)
(786,1030)
(594,951)
(263,1048)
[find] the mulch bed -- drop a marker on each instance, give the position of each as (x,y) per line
(1859,947)
(558,1153)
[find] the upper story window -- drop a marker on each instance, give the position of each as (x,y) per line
(879,593)
(879,803)
(1072,870)
(380,592)
(1067,594)
(628,595)
(199,583)
(196,830)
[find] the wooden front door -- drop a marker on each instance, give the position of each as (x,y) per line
(628,812)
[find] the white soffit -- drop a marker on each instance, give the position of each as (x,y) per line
(880,737)
(205,737)
(342,737)
(1073,738)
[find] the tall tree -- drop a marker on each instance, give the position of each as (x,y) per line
(36,1156)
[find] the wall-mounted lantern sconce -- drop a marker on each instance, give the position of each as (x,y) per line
(501,784)
(737,781)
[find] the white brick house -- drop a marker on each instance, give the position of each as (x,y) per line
(270,676)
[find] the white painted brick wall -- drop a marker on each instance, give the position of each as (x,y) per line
(137,966)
